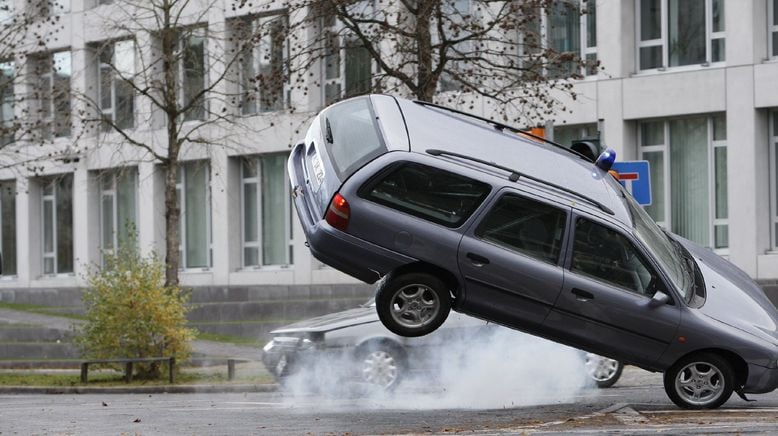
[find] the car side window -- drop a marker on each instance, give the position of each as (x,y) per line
(608,256)
(530,227)
(427,192)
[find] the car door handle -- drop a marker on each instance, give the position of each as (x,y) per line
(477,259)
(581,295)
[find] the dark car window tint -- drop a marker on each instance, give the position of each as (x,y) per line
(527,226)
(426,192)
(608,256)
(351,136)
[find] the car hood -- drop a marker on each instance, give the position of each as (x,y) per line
(732,297)
(332,321)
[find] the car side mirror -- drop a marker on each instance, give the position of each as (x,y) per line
(659,299)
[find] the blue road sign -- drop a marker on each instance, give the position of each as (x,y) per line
(635,176)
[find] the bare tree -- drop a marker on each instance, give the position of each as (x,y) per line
(23,31)
(166,85)
(515,55)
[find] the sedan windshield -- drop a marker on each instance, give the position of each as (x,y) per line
(660,246)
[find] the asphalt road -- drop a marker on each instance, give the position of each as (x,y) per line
(637,404)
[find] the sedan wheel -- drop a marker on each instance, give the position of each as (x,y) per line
(412,304)
(381,368)
(703,381)
(604,371)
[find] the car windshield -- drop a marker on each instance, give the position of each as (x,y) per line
(659,244)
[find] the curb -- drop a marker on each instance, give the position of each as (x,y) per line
(161,389)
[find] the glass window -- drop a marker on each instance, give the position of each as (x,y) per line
(347,64)
(455,16)
(608,256)
(58,224)
(266,241)
(426,192)
(772,24)
(565,135)
(118,208)
(263,66)
(53,72)
(7,103)
(8,227)
(527,226)
(192,72)
(774,176)
(352,136)
(688,167)
(194,196)
(565,28)
(680,32)
(115,71)
(6,11)
(564,37)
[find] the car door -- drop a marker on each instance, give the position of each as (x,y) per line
(510,260)
(606,301)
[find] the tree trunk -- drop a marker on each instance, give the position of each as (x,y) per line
(425,86)
(172,217)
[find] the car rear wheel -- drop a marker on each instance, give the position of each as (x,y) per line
(413,304)
(604,371)
(381,365)
(700,381)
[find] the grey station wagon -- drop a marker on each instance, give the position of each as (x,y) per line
(451,210)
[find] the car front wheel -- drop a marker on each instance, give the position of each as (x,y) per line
(700,381)
(412,304)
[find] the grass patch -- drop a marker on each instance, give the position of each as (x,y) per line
(40,310)
(237,340)
(116,378)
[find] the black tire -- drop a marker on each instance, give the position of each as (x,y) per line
(603,371)
(705,375)
(381,365)
(412,304)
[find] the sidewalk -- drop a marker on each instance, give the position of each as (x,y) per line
(201,349)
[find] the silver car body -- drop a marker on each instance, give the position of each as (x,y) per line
(711,304)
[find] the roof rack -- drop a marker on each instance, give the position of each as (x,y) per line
(516,175)
(501,127)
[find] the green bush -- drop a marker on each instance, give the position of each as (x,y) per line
(130,313)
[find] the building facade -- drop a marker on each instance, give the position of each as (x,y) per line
(689,85)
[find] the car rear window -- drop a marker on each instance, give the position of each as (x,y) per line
(427,192)
(352,136)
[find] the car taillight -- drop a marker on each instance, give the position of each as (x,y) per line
(338,213)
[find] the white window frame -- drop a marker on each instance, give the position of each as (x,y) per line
(55,228)
(288,218)
(112,191)
(662,41)
(181,194)
(773,135)
(772,29)
(114,72)
(667,173)
(256,23)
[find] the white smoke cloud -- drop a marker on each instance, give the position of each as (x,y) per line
(499,369)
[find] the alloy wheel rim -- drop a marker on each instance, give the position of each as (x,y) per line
(699,383)
(601,368)
(380,368)
(415,306)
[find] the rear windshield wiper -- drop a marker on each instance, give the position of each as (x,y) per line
(327,131)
